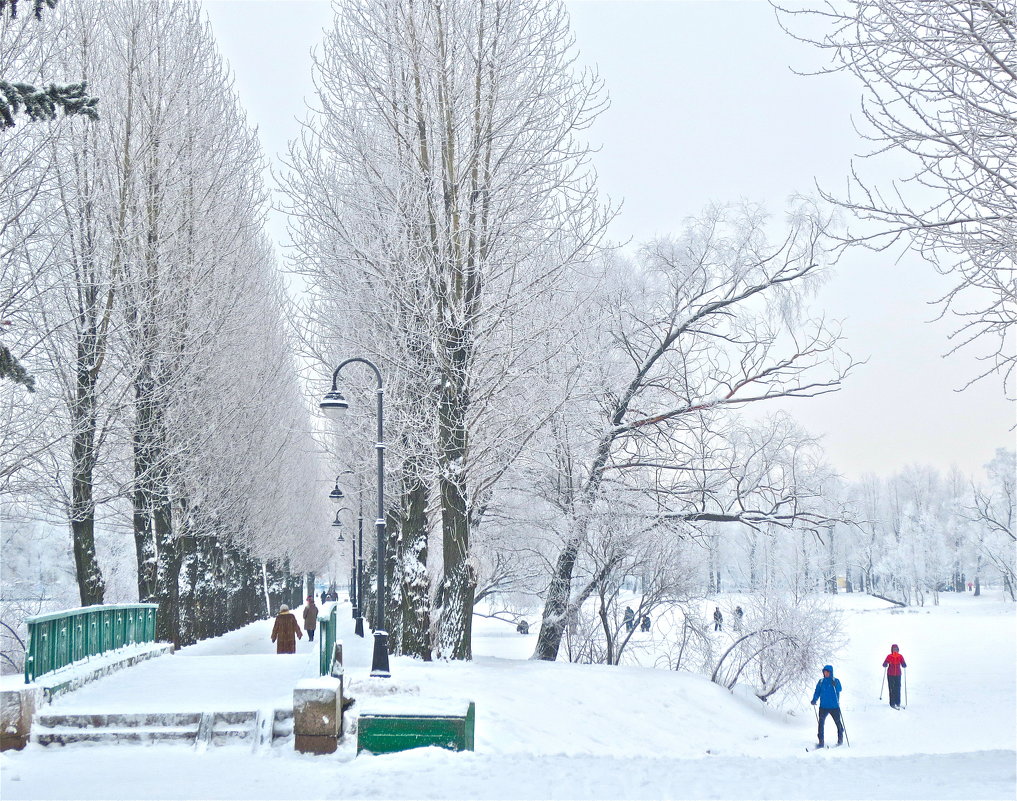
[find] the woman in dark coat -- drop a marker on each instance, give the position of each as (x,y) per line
(310,618)
(285,631)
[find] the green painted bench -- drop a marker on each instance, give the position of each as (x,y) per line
(402,724)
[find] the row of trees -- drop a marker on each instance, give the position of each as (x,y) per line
(564,407)
(140,294)
(564,416)
(553,399)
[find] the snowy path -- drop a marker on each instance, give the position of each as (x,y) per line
(239,671)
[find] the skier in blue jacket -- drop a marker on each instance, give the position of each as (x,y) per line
(827,692)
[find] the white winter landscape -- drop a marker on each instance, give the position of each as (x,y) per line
(553,730)
(541,333)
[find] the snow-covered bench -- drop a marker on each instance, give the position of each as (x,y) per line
(385,725)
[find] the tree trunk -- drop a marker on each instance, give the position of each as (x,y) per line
(556,607)
(416,587)
(459,582)
(91,586)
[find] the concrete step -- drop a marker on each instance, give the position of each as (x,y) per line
(201,729)
(68,735)
(118,720)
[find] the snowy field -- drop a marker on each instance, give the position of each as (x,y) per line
(568,731)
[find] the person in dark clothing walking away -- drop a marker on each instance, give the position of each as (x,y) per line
(644,624)
(893,663)
(629,618)
(827,692)
(718,619)
(310,618)
(285,632)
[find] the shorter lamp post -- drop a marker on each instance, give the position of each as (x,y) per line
(357,566)
(356,585)
(335,406)
(337,523)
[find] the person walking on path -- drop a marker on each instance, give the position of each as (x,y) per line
(629,618)
(739,614)
(893,663)
(718,619)
(310,618)
(827,692)
(285,631)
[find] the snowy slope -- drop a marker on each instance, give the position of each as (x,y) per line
(565,731)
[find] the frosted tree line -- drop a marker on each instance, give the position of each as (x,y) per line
(160,422)
(573,425)
(570,418)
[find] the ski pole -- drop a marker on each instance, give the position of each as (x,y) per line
(843,727)
(881,684)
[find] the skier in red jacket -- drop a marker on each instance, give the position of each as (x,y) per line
(893,663)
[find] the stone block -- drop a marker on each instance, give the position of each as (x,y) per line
(313,744)
(317,714)
(17,708)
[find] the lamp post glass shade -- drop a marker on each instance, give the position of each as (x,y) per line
(334,405)
(336,495)
(337,523)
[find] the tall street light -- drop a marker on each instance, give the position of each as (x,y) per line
(357,596)
(334,406)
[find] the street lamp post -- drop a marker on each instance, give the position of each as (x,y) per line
(334,406)
(357,565)
(358,629)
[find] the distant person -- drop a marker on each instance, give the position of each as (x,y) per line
(827,692)
(645,623)
(523,627)
(629,618)
(310,618)
(739,614)
(324,597)
(285,632)
(718,619)
(893,663)
(970,585)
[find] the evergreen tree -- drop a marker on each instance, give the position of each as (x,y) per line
(41,104)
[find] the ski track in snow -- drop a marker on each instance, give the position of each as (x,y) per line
(553,730)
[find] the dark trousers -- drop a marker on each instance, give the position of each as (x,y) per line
(893,682)
(835,714)
(310,635)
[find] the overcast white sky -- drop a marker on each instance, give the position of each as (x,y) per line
(704,107)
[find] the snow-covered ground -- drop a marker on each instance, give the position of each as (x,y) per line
(567,731)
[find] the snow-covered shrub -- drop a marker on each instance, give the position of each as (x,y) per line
(782,644)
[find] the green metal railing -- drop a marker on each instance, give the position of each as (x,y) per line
(326,642)
(63,638)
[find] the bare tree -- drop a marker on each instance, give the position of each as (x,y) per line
(706,323)
(938,79)
(993,512)
(444,189)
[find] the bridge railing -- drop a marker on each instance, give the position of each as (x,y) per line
(326,642)
(62,638)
